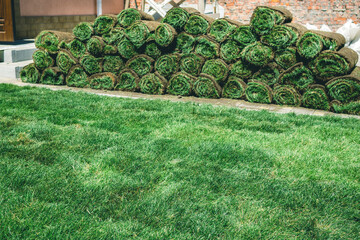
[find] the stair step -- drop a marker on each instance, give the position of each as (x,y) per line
(12,70)
(17,51)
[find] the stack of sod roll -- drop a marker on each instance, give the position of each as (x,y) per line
(271,60)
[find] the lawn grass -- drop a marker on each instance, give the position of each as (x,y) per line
(82,166)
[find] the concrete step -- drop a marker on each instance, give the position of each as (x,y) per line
(17,52)
(12,70)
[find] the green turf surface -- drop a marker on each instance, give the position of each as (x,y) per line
(81,166)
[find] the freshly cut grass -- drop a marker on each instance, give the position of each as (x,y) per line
(88,166)
(206,87)
(243,35)
(140,31)
(286,95)
(42,59)
(128,16)
(177,17)
(168,64)
(257,54)
(104,80)
(165,34)
(91,64)
(83,31)
(113,64)
(127,80)
(348,108)
(95,46)
(191,63)
(114,36)
(221,28)
(230,51)
(216,68)
(77,77)
(104,23)
(345,88)
(298,75)
(309,45)
(315,97)
(181,84)
(141,64)
(207,47)
(198,24)
(153,83)
(65,60)
(126,48)
(30,74)
(279,37)
(52,76)
(258,92)
(110,50)
(50,40)
(185,42)
(263,20)
(153,50)
(77,48)
(268,74)
(234,88)
(241,69)
(285,58)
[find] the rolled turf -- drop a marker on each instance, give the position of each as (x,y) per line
(243,35)
(330,64)
(65,60)
(241,69)
(52,76)
(42,59)
(206,87)
(127,80)
(221,28)
(177,17)
(141,64)
(216,68)
(77,48)
(50,40)
(279,37)
(258,92)
(315,97)
(349,108)
(257,54)
(181,84)
(234,88)
(286,95)
(268,74)
(91,64)
(191,63)
(165,34)
(83,31)
(185,42)
(104,80)
(285,58)
(110,50)
(139,31)
(114,36)
(207,47)
(168,64)
(126,49)
(128,16)
(30,74)
(113,64)
(153,83)
(298,75)
(104,23)
(77,77)
(95,46)
(345,88)
(153,50)
(230,50)
(198,24)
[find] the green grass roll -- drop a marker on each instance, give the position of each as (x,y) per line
(207,47)
(153,83)
(177,17)
(50,40)
(279,37)
(165,34)
(141,64)
(77,48)
(113,64)
(95,46)
(257,54)
(234,88)
(153,50)
(206,87)
(243,35)
(344,88)
(285,58)
(30,74)
(286,95)
(241,69)
(127,80)
(140,31)
(104,81)
(65,60)
(348,108)
(298,75)
(191,63)
(221,28)
(42,59)
(181,84)
(104,23)
(315,97)
(198,24)
(114,36)
(168,64)
(216,68)
(230,50)
(185,42)
(258,92)
(268,74)
(77,77)
(127,49)
(83,31)
(91,64)
(52,76)
(128,16)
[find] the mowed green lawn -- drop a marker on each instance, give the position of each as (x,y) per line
(81,166)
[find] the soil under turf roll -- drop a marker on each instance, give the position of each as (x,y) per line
(206,87)
(315,97)
(141,64)
(165,34)
(127,80)
(185,42)
(298,75)
(234,88)
(128,16)
(330,64)
(198,24)
(268,74)
(243,35)
(104,23)
(345,88)
(30,74)
(95,46)
(83,31)
(216,68)
(42,59)
(348,108)
(257,54)
(77,77)
(230,50)
(65,60)
(52,76)
(286,95)
(279,37)
(181,84)
(114,36)
(258,92)
(207,47)
(140,31)
(191,63)
(153,50)
(50,40)
(177,17)
(113,64)
(126,48)
(241,69)
(153,83)
(168,64)
(91,64)
(104,80)
(285,58)
(221,28)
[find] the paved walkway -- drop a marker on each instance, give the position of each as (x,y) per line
(218,102)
